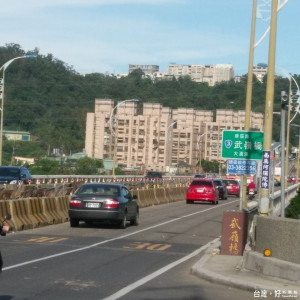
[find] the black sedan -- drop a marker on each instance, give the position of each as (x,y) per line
(223,194)
(95,202)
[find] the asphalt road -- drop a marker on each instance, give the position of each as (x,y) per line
(149,261)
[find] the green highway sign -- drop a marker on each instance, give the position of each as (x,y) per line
(242,144)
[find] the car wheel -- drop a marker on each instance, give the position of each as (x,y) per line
(238,196)
(189,202)
(123,223)
(135,220)
(74,222)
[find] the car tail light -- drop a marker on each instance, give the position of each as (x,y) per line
(111,203)
(210,191)
(192,189)
(75,202)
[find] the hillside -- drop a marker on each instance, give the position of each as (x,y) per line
(50,99)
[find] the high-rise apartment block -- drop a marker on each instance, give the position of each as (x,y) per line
(149,136)
(203,73)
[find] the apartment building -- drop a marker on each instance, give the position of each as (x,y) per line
(147,69)
(260,71)
(159,138)
(203,73)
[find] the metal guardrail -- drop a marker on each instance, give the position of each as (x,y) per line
(104,178)
(290,192)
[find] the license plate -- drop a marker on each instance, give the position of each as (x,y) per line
(92,205)
(199,190)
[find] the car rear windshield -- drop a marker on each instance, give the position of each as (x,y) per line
(232,182)
(218,182)
(201,182)
(154,174)
(99,190)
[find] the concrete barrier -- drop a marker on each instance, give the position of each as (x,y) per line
(51,211)
(36,212)
(149,197)
(29,213)
(176,194)
(137,193)
(183,190)
(141,198)
(63,206)
(20,214)
(271,266)
(160,196)
(5,209)
(169,194)
(280,235)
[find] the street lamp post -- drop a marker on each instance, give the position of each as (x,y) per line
(113,130)
(284,103)
(169,155)
(200,148)
(264,204)
(2,94)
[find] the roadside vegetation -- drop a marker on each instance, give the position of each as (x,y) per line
(293,210)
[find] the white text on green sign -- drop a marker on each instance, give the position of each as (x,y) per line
(242,144)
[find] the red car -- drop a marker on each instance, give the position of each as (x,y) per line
(202,190)
(233,187)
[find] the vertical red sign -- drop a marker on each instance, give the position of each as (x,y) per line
(234,232)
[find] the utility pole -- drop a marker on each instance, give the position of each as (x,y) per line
(249,95)
(264,205)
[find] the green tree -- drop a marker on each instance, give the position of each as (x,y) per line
(88,166)
(210,166)
(293,210)
(45,167)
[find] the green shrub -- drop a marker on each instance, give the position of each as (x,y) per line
(293,210)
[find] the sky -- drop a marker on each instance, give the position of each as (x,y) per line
(105,36)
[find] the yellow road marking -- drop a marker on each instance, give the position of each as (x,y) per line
(46,239)
(148,246)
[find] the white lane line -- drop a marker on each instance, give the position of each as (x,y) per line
(110,240)
(157,273)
